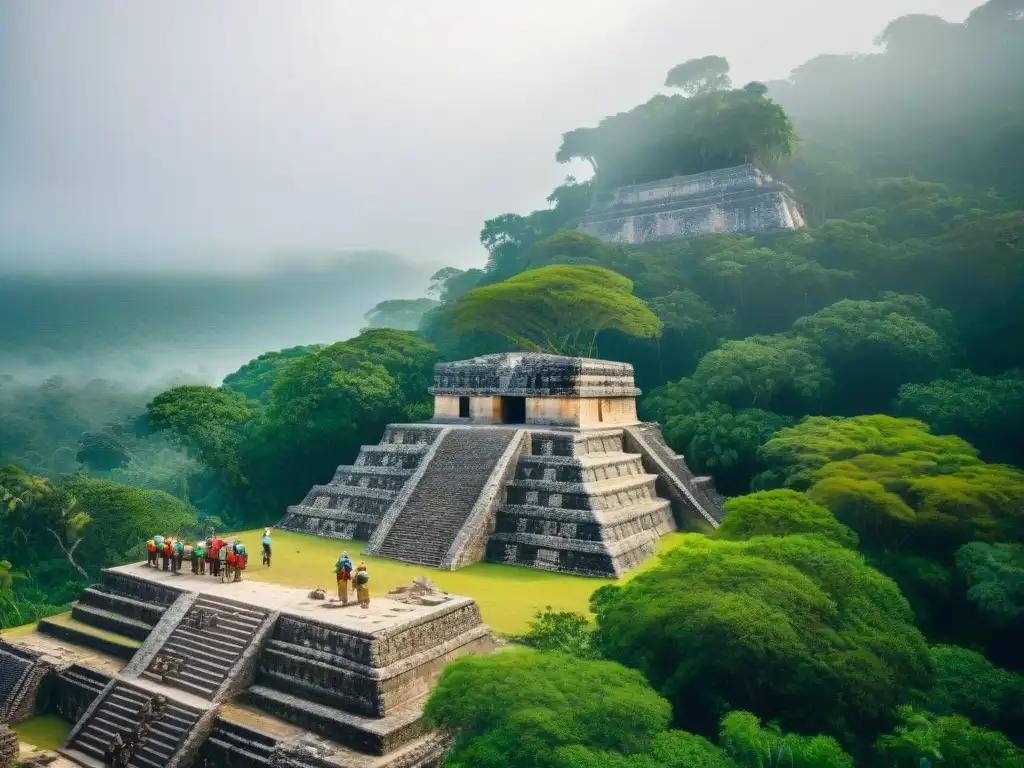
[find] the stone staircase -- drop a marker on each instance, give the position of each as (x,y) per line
(208,653)
(119,712)
(237,746)
(438,506)
(123,610)
(75,689)
(353,503)
(578,503)
(697,505)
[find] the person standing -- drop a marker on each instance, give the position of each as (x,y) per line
(179,553)
(199,557)
(266,546)
(241,560)
(168,554)
(229,562)
(151,553)
(216,548)
(343,569)
(188,552)
(362,580)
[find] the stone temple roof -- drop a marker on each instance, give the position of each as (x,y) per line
(530,374)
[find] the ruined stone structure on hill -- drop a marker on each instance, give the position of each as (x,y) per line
(531,459)
(252,675)
(734,200)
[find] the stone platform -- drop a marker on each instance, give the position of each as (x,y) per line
(531,459)
(343,686)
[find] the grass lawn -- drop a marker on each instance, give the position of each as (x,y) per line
(43,731)
(508,596)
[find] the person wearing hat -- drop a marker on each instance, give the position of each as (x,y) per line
(362,580)
(343,569)
(151,553)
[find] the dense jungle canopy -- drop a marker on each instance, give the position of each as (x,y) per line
(855,387)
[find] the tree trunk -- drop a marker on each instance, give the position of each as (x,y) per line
(69,553)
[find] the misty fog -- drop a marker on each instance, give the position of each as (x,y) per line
(229,142)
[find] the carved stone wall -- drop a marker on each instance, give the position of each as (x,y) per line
(740,199)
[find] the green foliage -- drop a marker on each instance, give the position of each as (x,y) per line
(123,518)
(751,745)
(400,314)
(548,309)
(101,451)
(925,739)
(206,421)
(562,631)
(988,411)
(794,455)
(874,346)
(995,575)
(527,708)
(256,378)
(967,684)
(781,512)
(322,407)
(720,441)
(699,76)
(762,371)
(895,483)
(793,628)
(672,135)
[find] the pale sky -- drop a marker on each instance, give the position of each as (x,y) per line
(194,132)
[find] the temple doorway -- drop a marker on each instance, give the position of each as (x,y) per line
(513,410)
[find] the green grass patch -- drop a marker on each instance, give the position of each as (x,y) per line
(43,731)
(508,596)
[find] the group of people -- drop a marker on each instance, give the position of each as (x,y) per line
(352,577)
(227,558)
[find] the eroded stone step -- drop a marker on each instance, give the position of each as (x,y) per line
(573,469)
(374,736)
(101,597)
(108,643)
(110,621)
(605,494)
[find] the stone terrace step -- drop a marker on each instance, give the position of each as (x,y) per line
(103,641)
(373,736)
(100,596)
(119,712)
(578,469)
(84,677)
(209,653)
(575,444)
(110,621)
(391,455)
(386,478)
(547,520)
(230,744)
(444,496)
(604,494)
(410,434)
(349,492)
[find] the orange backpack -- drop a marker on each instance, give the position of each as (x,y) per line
(231,557)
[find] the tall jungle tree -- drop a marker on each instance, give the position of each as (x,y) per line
(556,309)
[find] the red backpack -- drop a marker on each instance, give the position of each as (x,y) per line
(231,557)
